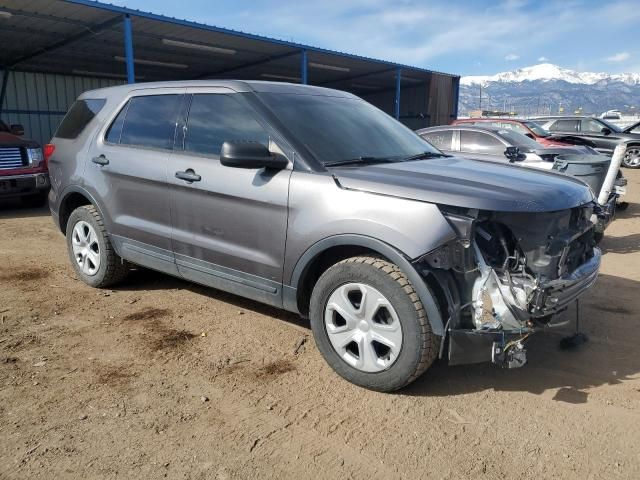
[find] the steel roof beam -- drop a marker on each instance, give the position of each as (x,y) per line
(250,64)
(64,42)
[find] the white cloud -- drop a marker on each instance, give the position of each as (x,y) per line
(543,59)
(619,57)
(511,57)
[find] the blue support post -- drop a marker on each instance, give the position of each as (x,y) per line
(397,104)
(456,97)
(3,92)
(128,49)
(303,66)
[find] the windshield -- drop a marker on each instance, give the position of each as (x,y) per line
(537,129)
(518,139)
(337,129)
(610,126)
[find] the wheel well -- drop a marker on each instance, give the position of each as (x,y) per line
(68,205)
(319,265)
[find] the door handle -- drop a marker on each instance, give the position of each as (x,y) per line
(100,160)
(188,176)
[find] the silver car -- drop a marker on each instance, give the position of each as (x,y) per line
(314,201)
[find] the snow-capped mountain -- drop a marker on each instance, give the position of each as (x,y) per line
(549,71)
(547,88)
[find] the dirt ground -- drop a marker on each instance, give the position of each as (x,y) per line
(159,378)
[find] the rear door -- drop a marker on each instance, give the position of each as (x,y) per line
(229,227)
(128,171)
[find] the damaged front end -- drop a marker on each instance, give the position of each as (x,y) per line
(507,275)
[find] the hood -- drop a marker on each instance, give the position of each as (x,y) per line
(461,182)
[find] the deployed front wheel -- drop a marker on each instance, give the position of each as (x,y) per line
(90,250)
(370,325)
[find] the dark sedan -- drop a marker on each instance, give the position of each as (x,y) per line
(603,134)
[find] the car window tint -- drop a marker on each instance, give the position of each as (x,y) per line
(564,126)
(479,142)
(515,126)
(115,129)
(150,121)
(440,140)
(217,118)
(588,125)
(78,117)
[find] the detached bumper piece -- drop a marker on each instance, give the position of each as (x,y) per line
(554,296)
(17,185)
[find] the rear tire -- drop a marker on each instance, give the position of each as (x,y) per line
(93,258)
(384,340)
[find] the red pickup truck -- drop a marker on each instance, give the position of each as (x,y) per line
(23,167)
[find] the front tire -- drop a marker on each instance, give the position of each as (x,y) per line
(93,258)
(370,325)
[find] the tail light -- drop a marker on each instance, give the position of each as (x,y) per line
(48,150)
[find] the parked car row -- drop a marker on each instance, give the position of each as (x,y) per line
(315,201)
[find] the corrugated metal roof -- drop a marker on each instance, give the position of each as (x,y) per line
(70,36)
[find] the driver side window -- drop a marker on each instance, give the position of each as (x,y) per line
(591,126)
(216,118)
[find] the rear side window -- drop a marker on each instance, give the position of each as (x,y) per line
(217,118)
(78,117)
(480,142)
(440,140)
(146,121)
(564,126)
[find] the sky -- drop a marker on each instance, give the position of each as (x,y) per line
(463,37)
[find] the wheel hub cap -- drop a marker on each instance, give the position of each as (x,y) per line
(632,157)
(363,327)
(86,249)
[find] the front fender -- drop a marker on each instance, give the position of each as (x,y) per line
(389,252)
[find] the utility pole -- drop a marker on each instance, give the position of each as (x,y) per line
(480,107)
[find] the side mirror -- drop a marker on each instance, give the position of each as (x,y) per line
(17,129)
(605,131)
(244,154)
(513,154)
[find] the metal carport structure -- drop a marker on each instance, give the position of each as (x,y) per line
(52,50)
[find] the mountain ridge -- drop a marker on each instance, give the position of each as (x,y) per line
(547,88)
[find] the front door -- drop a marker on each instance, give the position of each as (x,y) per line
(229,224)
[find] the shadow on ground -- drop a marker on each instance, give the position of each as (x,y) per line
(627,244)
(609,357)
(13,208)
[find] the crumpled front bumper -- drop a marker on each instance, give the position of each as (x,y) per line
(554,296)
(25,184)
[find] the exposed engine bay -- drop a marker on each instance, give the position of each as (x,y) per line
(508,275)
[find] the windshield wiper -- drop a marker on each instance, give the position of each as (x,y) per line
(359,160)
(425,155)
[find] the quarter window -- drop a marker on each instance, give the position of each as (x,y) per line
(78,117)
(146,121)
(217,118)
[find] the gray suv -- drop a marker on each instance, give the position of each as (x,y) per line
(314,201)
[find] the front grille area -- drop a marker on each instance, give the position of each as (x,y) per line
(10,158)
